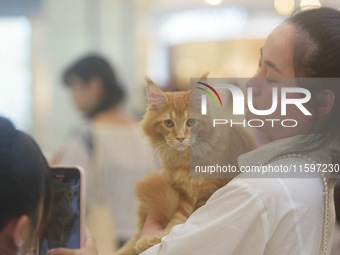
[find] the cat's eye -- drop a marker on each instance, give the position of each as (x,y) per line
(191,122)
(169,123)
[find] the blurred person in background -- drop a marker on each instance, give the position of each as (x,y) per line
(110,148)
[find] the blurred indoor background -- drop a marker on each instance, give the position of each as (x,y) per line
(168,40)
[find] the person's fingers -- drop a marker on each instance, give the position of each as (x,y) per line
(151,227)
(88,237)
(89,247)
(63,251)
(33,251)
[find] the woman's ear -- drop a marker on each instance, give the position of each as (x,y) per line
(20,229)
(14,233)
(325,100)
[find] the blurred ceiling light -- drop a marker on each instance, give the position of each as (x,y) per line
(284,7)
(202,24)
(308,4)
(213,2)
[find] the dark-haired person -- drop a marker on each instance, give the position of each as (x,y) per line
(24,193)
(278,215)
(108,145)
(24,190)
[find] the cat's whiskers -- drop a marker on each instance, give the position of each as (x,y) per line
(197,151)
(163,149)
(204,144)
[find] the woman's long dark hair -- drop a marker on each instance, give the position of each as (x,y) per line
(316,54)
(24,177)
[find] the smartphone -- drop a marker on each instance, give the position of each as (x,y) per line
(66,224)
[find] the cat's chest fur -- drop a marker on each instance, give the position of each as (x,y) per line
(197,189)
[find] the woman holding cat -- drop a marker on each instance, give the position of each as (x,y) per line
(276,215)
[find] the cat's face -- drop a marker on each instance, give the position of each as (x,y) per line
(167,121)
(175,127)
(174,123)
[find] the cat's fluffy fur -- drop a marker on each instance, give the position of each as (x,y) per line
(170,196)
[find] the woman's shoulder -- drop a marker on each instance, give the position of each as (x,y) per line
(273,200)
(273,192)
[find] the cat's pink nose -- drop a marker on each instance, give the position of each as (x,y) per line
(180,139)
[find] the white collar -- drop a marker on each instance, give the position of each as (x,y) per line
(276,148)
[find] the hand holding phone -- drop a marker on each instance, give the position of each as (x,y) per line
(89,248)
(65,227)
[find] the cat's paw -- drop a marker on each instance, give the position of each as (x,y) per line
(146,242)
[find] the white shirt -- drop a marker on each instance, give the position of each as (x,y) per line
(256,216)
(336,241)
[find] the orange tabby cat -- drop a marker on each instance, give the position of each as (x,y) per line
(180,136)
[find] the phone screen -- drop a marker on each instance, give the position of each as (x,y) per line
(63,226)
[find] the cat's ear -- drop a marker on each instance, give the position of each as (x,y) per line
(204,76)
(155,95)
